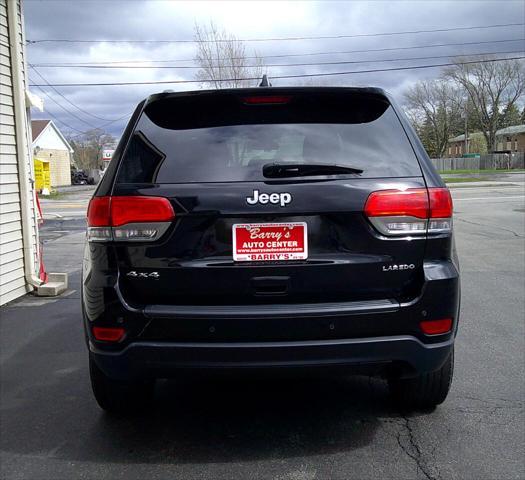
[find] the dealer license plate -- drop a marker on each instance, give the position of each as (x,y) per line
(269,242)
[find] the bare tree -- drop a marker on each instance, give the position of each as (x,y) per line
(87,148)
(222,59)
(491,87)
(435,108)
(314,82)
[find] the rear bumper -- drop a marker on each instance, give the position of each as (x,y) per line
(404,355)
(163,340)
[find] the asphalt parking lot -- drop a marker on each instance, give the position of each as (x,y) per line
(302,429)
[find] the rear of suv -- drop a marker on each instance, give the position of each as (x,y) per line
(270,228)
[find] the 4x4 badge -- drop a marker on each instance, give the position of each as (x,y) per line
(134,274)
(281,199)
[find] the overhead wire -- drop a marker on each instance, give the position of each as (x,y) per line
(54,117)
(61,106)
(65,98)
(71,127)
(289,76)
(105,125)
(333,52)
(310,64)
(279,39)
(275,77)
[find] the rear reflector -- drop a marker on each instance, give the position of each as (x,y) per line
(130,218)
(435,327)
(411,211)
(106,334)
(267,100)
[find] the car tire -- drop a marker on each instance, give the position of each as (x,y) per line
(120,397)
(425,391)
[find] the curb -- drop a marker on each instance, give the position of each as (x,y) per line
(75,188)
(482,184)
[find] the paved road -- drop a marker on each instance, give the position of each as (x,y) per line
(294,430)
(69,205)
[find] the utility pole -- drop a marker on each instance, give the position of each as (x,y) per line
(466,149)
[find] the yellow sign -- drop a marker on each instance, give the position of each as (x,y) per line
(42,177)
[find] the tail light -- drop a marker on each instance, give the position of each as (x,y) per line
(415,211)
(137,219)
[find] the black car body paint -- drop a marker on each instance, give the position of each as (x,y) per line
(183,301)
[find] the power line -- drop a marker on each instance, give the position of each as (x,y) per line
(105,125)
(67,125)
(336,52)
(80,132)
(57,119)
(61,106)
(280,39)
(66,99)
(291,64)
(165,82)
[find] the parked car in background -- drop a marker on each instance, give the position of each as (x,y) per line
(81,177)
(78,177)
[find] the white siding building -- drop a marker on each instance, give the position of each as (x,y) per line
(19,260)
(49,144)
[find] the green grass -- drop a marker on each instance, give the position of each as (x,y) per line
(54,195)
(463,179)
(448,172)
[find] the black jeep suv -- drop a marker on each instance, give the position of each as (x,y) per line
(270,228)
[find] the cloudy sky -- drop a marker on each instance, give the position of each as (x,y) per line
(105,27)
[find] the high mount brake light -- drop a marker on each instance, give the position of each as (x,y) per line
(129,218)
(267,100)
(414,211)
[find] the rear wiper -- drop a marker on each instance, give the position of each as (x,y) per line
(283,170)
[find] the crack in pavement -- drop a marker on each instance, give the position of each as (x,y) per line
(492,400)
(493,408)
(490,226)
(414,452)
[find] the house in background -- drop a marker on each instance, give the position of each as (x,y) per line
(49,144)
(508,140)
(476,143)
(511,139)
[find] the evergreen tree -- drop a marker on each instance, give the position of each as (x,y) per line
(511,116)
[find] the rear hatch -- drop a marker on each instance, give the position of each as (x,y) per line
(251,223)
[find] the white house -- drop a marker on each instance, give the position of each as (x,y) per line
(20,270)
(19,258)
(49,144)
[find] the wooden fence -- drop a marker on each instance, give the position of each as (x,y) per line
(499,161)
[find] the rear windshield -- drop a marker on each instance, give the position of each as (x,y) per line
(222,139)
